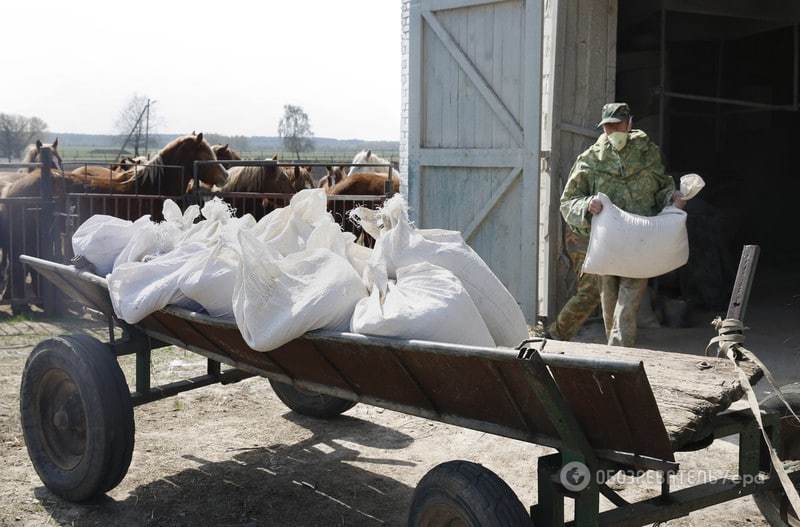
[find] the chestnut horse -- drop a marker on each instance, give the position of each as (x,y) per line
(226,153)
(359,184)
(333,175)
(166,174)
(299,177)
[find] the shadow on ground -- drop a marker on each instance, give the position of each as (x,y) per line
(322,480)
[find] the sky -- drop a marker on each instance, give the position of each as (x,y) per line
(224,66)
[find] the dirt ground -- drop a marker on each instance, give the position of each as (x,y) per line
(235,456)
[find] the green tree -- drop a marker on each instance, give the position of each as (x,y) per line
(17,132)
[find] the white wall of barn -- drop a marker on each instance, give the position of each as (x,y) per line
(577,78)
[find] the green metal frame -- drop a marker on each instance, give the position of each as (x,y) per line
(753,475)
(135,342)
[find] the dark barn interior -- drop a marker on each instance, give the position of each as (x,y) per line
(716,85)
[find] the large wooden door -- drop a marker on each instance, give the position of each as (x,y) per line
(474,130)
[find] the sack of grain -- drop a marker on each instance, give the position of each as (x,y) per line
(426,302)
(625,244)
(399,244)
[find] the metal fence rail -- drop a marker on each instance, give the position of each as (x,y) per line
(42,224)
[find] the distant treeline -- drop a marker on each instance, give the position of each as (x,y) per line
(247,143)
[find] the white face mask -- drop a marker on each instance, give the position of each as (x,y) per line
(618,140)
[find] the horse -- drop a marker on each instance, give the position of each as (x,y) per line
(31,155)
(226,153)
(333,175)
(168,173)
(359,184)
(265,179)
(299,177)
(364,184)
(367,157)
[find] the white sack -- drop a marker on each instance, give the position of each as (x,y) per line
(625,244)
(209,277)
(427,302)
(287,229)
(100,239)
(152,239)
(278,299)
(399,244)
(138,289)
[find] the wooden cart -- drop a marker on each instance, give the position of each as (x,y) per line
(596,405)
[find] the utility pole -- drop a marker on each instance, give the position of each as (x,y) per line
(147,132)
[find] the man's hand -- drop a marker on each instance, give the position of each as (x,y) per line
(677,200)
(595,206)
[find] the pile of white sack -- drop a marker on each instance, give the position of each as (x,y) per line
(633,246)
(295,271)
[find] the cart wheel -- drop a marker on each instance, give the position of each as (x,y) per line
(310,403)
(460,493)
(77,416)
(772,502)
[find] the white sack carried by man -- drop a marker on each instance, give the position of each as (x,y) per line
(399,244)
(426,302)
(633,246)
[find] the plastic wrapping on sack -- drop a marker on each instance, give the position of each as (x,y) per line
(399,244)
(427,302)
(151,239)
(287,229)
(691,185)
(138,289)
(277,299)
(209,278)
(632,246)
(100,239)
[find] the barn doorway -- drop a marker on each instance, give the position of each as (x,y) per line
(716,86)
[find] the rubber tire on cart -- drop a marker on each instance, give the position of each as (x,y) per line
(310,403)
(772,502)
(77,416)
(462,493)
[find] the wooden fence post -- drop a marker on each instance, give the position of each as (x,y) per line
(46,226)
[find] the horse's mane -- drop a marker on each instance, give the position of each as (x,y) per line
(147,173)
(30,154)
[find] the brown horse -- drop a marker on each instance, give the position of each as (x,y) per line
(358,184)
(299,177)
(333,175)
(364,184)
(226,153)
(166,174)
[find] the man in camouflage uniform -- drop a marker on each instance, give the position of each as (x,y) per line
(586,297)
(625,165)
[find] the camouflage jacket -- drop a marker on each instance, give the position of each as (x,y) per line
(633,179)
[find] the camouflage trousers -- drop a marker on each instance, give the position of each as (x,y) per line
(582,304)
(621,298)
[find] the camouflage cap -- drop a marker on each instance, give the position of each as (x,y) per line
(615,112)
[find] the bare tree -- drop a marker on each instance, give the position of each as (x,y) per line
(295,130)
(16,132)
(136,122)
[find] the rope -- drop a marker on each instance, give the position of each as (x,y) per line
(729,342)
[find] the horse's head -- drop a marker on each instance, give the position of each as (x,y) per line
(226,153)
(32,154)
(333,175)
(363,157)
(300,177)
(184,151)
